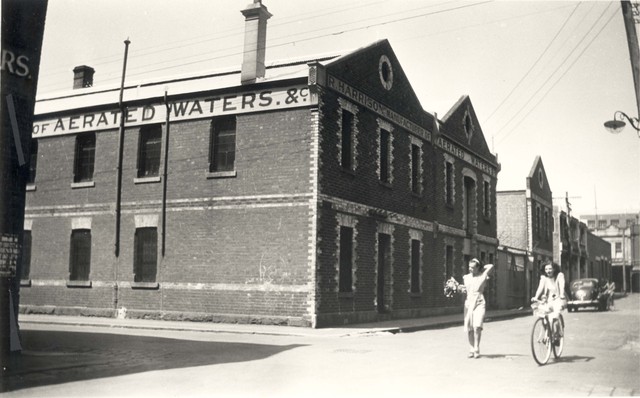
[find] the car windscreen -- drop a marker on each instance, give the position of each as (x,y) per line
(583,284)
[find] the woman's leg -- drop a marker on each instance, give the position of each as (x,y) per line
(470,335)
(477,332)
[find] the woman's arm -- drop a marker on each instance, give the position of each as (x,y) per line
(561,285)
(488,268)
(540,288)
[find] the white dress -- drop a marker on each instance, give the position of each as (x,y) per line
(474,305)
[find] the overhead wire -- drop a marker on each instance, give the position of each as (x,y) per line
(310,38)
(534,64)
(181,44)
(542,72)
(471,26)
(561,76)
(564,61)
(230,33)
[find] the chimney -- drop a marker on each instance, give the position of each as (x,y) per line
(255,38)
(82,76)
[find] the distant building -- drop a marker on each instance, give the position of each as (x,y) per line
(312,192)
(525,227)
(531,231)
(623,232)
(580,253)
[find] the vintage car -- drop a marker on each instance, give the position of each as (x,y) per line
(589,292)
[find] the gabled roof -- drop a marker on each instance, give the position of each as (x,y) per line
(537,181)
(367,67)
(462,125)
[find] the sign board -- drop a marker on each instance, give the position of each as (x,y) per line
(189,109)
(22,31)
(21,34)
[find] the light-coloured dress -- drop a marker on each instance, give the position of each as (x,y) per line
(553,290)
(474,305)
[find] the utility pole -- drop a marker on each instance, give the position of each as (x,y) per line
(570,235)
(121,107)
(632,42)
(22,30)
(624,261)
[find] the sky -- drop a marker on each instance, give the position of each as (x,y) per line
(543,76)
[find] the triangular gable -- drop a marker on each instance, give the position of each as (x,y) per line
(461,124)
(375,71)
(537,181)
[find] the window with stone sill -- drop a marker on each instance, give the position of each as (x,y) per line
(80,255)
(145,254)
(222,147)
(25,265)
(416,169)
(416,263)
(385,156)
(85,157)
(486,199)
(149,148)
(449,183)
(345,271)
(346,140)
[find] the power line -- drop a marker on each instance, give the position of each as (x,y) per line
(294,41)
(563,74)
(229,33)
(535,63)
(550,76)
(553,73)
(180,44)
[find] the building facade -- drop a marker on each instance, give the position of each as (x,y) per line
(312,193)
(623,232)
(525,229)
(580,253)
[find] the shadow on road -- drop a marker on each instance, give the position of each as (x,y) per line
(572,358)
(500,356)
(55,357)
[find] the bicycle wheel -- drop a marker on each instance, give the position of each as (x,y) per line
(540,342)
(558,344)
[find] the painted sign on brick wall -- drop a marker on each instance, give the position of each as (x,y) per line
(188,109)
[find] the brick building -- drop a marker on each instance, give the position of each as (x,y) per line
(525,228)
(622,231)
(312,193)
(580,253)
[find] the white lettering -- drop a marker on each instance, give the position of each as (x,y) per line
(15,65)
(197,108)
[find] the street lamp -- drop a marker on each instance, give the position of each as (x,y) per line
(616,125)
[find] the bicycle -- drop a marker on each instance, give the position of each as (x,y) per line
(543,339)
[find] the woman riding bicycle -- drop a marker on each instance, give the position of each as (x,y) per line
(552,287)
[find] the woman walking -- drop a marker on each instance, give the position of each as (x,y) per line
(474,305)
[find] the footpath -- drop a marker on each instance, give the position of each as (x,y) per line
(28,321)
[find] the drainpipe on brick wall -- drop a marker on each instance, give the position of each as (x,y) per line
(164,179)
(120,151)
(119,174)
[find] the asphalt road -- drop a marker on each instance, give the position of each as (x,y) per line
(601,358)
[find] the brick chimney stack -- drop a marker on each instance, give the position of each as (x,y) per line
(255,38)
(83,76)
